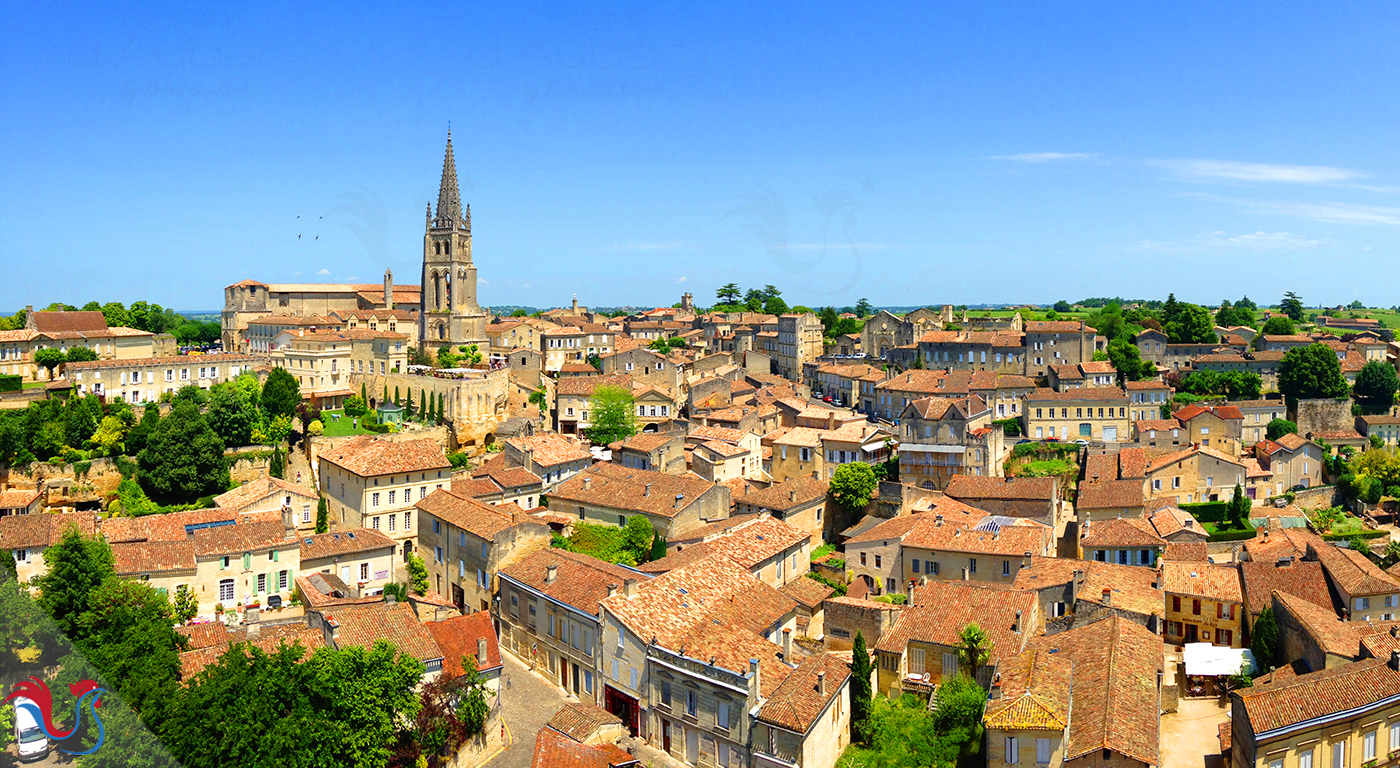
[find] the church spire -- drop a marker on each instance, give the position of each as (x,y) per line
(449,205)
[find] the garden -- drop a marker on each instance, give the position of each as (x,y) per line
(632,544)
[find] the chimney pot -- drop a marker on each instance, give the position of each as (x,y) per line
(253,632)
(587,482)
(821,683)
(481,652)
(629,587)
(390,599)
(755,688)
(787,645)
(1107,598)
(612,590)
(792,495)
(646,490)
(551,572)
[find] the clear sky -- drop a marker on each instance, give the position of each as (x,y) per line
(935,153)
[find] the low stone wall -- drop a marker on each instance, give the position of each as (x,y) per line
(1320,497)
(484,745)
(1324,415)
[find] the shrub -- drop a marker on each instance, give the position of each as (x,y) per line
(1208,511)
(11,383)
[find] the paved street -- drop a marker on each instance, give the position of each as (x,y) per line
(526,707)
(1190,737)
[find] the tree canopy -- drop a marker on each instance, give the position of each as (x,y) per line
(1311,372)
(1292,305)
(281,394)
(612,417)
(1376,385)
(1280,427)
(852,484)
(184,457)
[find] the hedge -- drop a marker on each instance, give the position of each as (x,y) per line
(1232,535)
(1350,536)
(11,383)
(1208,511)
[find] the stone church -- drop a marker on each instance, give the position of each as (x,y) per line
(445,300)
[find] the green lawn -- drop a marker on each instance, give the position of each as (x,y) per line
(33,384)
(1347,526)
(341,428)
(1045,468)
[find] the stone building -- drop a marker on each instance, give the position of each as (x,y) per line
(373,482)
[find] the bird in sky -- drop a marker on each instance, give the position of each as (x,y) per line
(318,237)
(298,237)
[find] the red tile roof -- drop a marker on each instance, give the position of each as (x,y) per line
(367,456)
(1110,494)
(458,638)
(970,487)
(1218,582)
(343,542)
(43,529)
(1294,700)
(941,609)
(555,750)
(612,486)
(1302,579)
(394,623)
(483,520)
(806,693)
(580,582)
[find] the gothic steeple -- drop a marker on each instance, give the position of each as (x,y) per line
(449,205)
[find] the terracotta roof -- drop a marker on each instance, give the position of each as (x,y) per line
(587,385)
(483,520)
(705,595)
(457,638)
(745,546)
(1182,455)
(797,704)
(941,609)
(1352,571)
(555,750)
(153,557)
(18,498)
(1316,695)
(809,593)
(1114,694)
(1186,552)
(971,487)
(549,449)
(1293,442)
(259,489)
(646,442)
(326,590)
(343,542)
(580,582)
(1010,541)
(194,661)
(1110,494)
(1170,519)
(503,476)
(895,528)
(1120,532)
(1268,546)
(1330,634)
(791,493)
(1132,463)
(1302,579)
(1150,384)
(394,623)
(1035,690)
(237,539)
(1218,582)
(1086,394)
(82,322)
(176,526)
(1057,326)
(367,456)
(43,529)
(613,486)
(580,720)
(1196,409)
(204,635)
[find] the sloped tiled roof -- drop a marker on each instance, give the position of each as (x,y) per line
(245,537)
(1218,582)
(1316,695)
(256,490)
(343,542)
(457,637)
(194,661)
(1034,694)
(555,750)
(807,592)
(394,623)
(791,493)
(42,529)
(580,720)
(797,703)
(970,487)
(1353,571)
(483,520)
(367,456)
(580,581)
(941,609)
(1121,532)
(549,449)
(745,546)
(1110,494)
(613,486)
(1302,579)
(1330,634)
(17,498)
(153,557)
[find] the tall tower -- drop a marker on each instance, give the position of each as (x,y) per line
(448,313)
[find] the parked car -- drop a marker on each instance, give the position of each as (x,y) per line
(826,399)
(33,744)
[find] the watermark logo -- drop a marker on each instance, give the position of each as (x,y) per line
(38,702)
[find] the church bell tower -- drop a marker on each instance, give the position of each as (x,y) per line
(448,313)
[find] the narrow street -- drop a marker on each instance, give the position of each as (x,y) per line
(527,705)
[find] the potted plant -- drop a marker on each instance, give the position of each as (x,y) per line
(218,608)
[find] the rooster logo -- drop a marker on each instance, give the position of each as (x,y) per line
(89,695)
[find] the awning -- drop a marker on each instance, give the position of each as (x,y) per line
(1208,660)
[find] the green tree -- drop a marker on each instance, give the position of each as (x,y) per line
(613,418)
(1239,508)
(231,415)
(974,648)
(1127,360)
(1311,372)
(355,406)
(862,671)
(77,564)
(852,484)
(49,440)
(1391,553)
(128,633)
(323,521)
(864,308)
(1264,639)
(1278,325)
(1359,543)
(958,717)
(186,604)
(109,435)
(728,293)
(277,465)
(49,359)
(1193,326)
(1376,385)
(80,355)
(281,394)
(183,458)
(775,306)
(417,574)
(1292,305)
(422,405)
(1280,427)
(658,546)
(637,537)
(1063,306)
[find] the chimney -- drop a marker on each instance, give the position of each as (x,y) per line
(1075,585)
(1284,562)
(481,653)
(679,498)
(1017,626)
(551,572)
(253,632)
(390,599)
(629,587)
(612,590)
(792,496)
(1395,660)
(646,490)
(787,645)
(909,591)
(938,520)
(388,289)
(1107,598)
(964,573)
(821,684)
(587,483)
(251,616)
(755,689)
(333,627)
(1395,631)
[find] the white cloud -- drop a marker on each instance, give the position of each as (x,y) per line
(297,273)
(1219,241)
(324,272)
(526,285)
(644,246)
(1339,213)
(1239,171)
(483,281)
(1046,157)
(681,279)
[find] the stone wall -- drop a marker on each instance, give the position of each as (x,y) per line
(475,405)
(1325,415)
(844,617)
(1321,497)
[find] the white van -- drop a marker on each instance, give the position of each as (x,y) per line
(33,744)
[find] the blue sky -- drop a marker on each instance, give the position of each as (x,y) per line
(957,153)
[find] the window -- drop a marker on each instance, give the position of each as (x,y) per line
(722,715)
(437,554)
(1196,607)
(1305,759)
(634,678)
(914,566)
(374,499)
(862,558)
(437,526)
(392,519)
(225,589)
(1176,603)
(1368,746)
(306,513)
(1042,751)
(1012,748)
(364,571)
(375,523)
(877,561)
(614,670)
(1339,753)
(392,494)
(262,582)
(1005,567)
(972,565)
(485,554)
(1394,736)
(690,698)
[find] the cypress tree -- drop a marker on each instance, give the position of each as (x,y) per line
(422,405)
(396,396)
(860,689)
(323,523)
